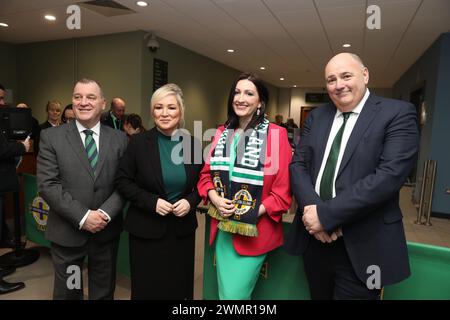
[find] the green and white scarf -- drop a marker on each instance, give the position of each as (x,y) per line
(247,176)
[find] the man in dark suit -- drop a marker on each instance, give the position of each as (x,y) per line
(353,157)
(9,152)
(115,117)
(75,174)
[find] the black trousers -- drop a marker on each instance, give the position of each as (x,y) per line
(4,231)
(102,259)
(162,269)
(330,273)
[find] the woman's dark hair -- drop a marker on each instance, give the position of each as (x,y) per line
(63,116)
(135,121)
(233,119)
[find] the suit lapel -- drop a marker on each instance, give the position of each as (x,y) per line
(366,117)
(103,148)
(155,160)
(322,134)
(74,139)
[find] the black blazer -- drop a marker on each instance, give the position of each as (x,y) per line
(139,180)
(107,120)
(45,125)
(9,150)
(379,155)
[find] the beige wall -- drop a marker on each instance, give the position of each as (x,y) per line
(284,103)
(114,61)
(48,70)
(298,101)
(45,72)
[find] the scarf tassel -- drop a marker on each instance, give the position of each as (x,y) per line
(233,226)
(241,228)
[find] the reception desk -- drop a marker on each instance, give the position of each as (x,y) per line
(282,275)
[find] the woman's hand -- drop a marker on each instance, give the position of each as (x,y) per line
(181,208)
(224,206)
(261,210)
(163,207)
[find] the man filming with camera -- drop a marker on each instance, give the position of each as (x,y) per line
(10,151)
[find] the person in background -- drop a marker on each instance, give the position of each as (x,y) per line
(9,182)
(115,116)
(68,115)
(159,180)
(291,124)
(246,179)
(279,121)
(133,124)
(53,109)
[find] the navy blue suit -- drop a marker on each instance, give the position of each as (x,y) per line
(380,154)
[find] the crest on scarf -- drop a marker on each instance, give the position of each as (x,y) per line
(243,201)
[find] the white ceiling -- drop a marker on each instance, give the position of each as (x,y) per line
(291,38)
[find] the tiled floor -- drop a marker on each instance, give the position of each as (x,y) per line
(38,277)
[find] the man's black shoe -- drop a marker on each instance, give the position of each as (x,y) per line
(7,287)
(6,271)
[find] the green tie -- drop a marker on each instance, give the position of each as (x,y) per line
(91,148)
(326,184)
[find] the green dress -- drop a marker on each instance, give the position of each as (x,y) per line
(236,275)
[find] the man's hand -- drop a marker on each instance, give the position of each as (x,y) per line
(323,237)
(163,207)
(96,221)
(311,219)
(261,210)
(181,208)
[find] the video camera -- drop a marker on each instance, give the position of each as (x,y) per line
(15,123)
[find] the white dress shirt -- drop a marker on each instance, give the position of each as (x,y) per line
(96,136)
(337,123)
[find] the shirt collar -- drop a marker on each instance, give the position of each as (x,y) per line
(359,106)
(81,128)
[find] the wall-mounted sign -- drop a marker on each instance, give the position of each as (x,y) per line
(160,72)
(317,97)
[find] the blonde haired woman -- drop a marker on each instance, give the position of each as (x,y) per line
(53,109)
(162,191)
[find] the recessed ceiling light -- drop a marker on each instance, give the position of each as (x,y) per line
(295,86)
(262,68)
(346,45)
(49,17)
(141,3)
(282,79)
(230,50)
(5,25)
